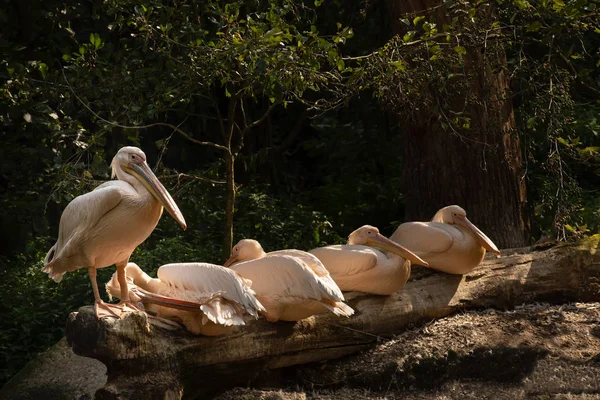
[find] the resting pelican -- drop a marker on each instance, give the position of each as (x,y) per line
(208,299)
(449,243)
(103,227)
(358,266)
(291,284)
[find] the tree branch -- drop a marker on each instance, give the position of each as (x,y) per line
(293,133)
(185,135)
(175,128)
(261,119)
(248,127)
(194,177)
(415,42)
(228,132)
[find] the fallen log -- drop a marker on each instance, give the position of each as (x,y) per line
(148,357)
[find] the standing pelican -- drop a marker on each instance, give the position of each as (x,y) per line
(449,243)
(291,284)
(208,299)
(358,266)
(103,227)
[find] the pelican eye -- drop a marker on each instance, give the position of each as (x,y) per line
(137,159)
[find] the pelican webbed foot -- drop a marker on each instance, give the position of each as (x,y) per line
(104,310)
(128,306)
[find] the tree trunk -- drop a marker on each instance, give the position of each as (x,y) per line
(148,358)
(479,168)
(229,176)
(229,203)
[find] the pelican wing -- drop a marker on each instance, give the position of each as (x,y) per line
(425,237)
(210,278)
(285,276)
(317,267)
(342,260)
(84,212)
(309,259)
(78,220)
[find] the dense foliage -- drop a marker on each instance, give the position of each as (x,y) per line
(307,101)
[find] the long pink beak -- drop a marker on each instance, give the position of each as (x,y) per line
(485,241)
(388,245)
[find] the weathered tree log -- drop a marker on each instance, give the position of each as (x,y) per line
(151,358)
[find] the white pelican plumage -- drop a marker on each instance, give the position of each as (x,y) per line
(449,242)
(103,227)
(208,299)
(291,284)
(358,266)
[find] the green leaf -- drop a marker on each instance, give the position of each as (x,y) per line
(533,27)
(460,50)
(43,69)
(569,228)
(417,19)
(409,36)
(590,149)
(522,4)
(96,41)
(399,65)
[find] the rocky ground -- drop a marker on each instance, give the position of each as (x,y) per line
(56,374)
(536,351)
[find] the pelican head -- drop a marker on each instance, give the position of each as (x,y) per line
(244,250)
(369,236)
(456,215)
(132,161)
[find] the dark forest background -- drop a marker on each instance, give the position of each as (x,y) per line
(290,122)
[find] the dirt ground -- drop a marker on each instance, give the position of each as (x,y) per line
(536,351)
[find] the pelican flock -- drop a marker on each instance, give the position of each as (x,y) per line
(103,227)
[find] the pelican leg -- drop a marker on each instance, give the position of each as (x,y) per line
(102,309)
(125,303)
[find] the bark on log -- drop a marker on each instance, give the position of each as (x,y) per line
(148,358)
